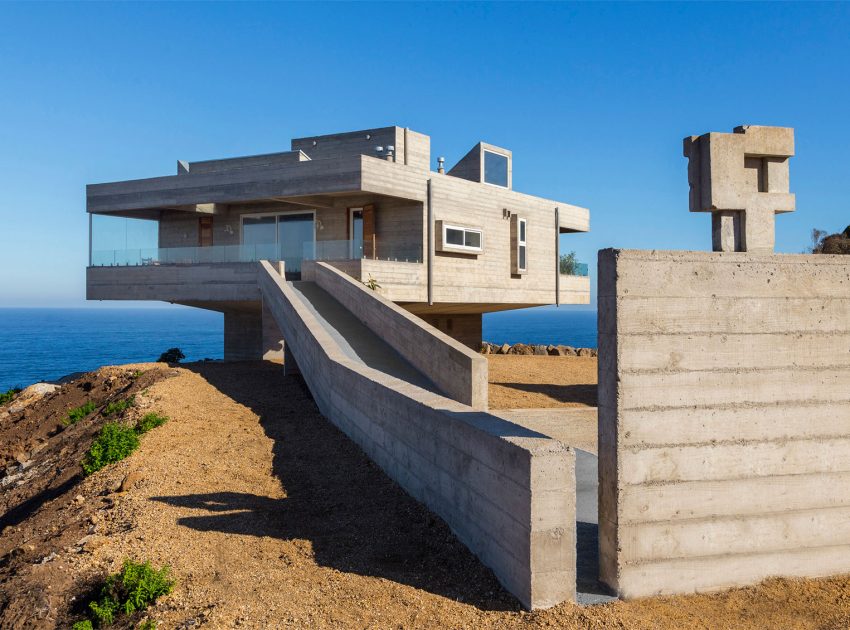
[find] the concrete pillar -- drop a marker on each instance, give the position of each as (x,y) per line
(272,337)
(243,336)
(464,328)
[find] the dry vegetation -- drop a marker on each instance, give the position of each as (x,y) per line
(269,517)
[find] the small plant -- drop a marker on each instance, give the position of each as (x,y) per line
(119,406)
(113,443)
(135,374)
(150,421)
(131,590)
(567,264)
(150,624)
(172,355)
(78,413)
(372,283)
(9,394)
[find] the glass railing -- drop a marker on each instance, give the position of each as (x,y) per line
(320,250)
(576,269)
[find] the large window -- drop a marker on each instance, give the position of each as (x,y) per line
(496,168)
(290,237)
(462,239)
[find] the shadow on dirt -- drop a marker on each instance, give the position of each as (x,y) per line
(357,519)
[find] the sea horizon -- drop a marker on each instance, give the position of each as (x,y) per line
(46,343)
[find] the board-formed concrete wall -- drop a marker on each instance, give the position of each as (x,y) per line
(506,492)
(724,418)
(459,372)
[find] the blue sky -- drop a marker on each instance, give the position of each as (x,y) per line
(593,99)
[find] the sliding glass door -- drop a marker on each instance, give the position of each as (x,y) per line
(290,237)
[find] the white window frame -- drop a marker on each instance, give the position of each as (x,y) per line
(462,248)
(522,227)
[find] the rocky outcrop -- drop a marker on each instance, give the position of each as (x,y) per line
(542,350)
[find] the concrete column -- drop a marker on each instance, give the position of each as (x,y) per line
(243,336)
(272,337)
(464,328)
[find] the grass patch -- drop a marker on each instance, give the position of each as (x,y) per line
(135,587)
(117,407)
(9,394)
(113,443)
(150,421)
(78,413)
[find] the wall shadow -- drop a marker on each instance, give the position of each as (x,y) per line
(357,519)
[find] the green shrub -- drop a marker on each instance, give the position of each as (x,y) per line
(172,355)
(82,625)
(78,413)
(9,394)
(132,589)
(119,406)
(150,624)
(568,263)
(150,421)
(113,443)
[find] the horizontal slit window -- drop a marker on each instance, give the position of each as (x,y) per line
(462,239)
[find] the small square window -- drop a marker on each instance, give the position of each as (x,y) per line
(472,239)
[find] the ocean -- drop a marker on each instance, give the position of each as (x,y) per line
(45,344)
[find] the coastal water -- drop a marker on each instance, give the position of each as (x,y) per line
(44,344)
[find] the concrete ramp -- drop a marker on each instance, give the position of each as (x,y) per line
(355,339)
(507,492)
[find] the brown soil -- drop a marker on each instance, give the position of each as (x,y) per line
(522,382)
(269,517)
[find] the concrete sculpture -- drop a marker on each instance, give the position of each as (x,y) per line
(742,178)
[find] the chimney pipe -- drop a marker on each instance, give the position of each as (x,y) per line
(441,164)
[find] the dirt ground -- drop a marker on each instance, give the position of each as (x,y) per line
(521,382)
(270,517)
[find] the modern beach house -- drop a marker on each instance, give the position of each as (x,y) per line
(370,273)
(446,246)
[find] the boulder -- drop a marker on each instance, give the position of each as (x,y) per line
(552,351)
(522,348)
(504,348)
(585,352)
(566,351)
(485,347)
(540,350)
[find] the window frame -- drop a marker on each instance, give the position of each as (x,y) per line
(462,249)
(507,157)
(522,244)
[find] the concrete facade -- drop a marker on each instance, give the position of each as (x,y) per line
(724,418)
(508,493)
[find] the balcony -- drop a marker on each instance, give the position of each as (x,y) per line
(328,251)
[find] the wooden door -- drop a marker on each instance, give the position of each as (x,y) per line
(205,231)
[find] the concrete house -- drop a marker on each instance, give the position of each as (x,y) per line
(446,246)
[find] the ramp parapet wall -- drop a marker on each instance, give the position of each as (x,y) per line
(506,492)
(459,372)
(724,418)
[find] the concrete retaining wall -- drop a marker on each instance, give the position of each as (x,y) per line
(506,492)
(460,373)
(724,418)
